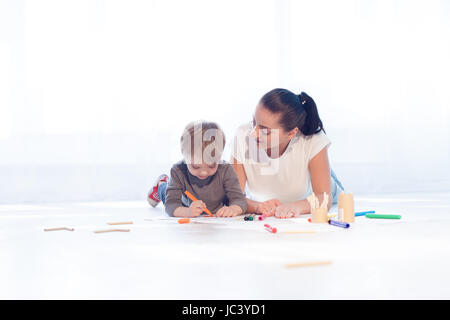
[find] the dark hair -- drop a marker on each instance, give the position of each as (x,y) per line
(297,110)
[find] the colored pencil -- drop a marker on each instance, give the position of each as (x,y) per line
(363,213)
(383,216)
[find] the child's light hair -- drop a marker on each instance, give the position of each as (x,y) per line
(202,141)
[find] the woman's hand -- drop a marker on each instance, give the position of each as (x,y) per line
(231,211)
(268,207)
(288,210)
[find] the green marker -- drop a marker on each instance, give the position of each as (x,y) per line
(383,216)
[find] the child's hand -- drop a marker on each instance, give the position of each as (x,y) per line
(196,208)
(268,207)
(226,212)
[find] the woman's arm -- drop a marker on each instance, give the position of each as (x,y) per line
(319,171)
(267,207)
(240,172)
(242,177)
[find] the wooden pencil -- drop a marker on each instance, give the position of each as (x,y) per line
(57,229)
(111,230)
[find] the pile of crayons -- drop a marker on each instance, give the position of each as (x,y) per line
(251,217)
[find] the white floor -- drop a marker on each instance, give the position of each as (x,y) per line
(225,258)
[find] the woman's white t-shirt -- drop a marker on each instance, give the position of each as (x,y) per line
(285,178)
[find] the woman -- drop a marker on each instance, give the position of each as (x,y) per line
(282,155)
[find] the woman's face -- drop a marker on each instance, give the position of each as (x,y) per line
(267,130)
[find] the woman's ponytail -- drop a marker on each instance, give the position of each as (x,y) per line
(297,110)
(311,123)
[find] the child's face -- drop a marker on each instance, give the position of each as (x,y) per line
(203,170)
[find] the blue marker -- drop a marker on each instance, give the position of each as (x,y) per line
(358,214)
(339,224)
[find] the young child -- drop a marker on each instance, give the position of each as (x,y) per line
(202,172)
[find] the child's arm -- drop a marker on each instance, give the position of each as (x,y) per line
(236,198)
(175,188)
(181,212)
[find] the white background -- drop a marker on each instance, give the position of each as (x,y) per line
(94,94)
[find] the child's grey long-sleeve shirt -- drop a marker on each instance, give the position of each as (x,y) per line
(218,190)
